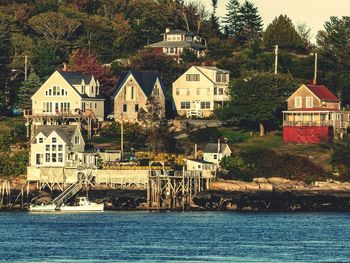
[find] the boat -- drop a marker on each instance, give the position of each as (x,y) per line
(83,205)
(42,208)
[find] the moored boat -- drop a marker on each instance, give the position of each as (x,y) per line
(83,205)
(42,208)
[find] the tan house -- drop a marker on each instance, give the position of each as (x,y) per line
(200,90)
(59,146)
(134,89)
(175,41)
(314,113)
(68,92)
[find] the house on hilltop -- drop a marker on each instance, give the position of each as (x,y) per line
(175,41)
(314,115)
(200,90)
(134,89)
(68,92)
(215,152)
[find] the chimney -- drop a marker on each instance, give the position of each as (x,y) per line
(167,30)
(314,82)
(218,146)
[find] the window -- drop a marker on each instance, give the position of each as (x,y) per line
(47,157)
(125,108)
(185,104)
(205,104)
(221,91)
(60,157)
(54,157)
(54,140)
(76,139)
(41,140)
(60,147)
(54,147)
(215,91)
(177,91)
(298,102)
(132,93)
(38,159)
(215,156)
(136,107)
(47,147)
(221,77)
(50,92)
(83,106)
(309,102)
(192,77)
(95,105)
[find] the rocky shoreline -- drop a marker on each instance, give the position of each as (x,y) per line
(274,194)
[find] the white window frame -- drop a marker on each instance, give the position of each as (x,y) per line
(298,102)
(309,102)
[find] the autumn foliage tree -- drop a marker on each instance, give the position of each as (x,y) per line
(87,62)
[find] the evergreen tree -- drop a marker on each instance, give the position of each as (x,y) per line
(214,20)
(283,33)
(250,22)
(27,90)
(232,21)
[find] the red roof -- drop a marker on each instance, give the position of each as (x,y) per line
(323,93)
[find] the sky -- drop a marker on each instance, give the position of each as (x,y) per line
(312,12)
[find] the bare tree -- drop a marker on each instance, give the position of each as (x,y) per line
(193,14)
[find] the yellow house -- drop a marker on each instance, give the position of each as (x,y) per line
(200,90)
(68,92)
(134,88)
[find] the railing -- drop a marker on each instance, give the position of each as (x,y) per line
(196,113)
(67,113)
(307,123)
(68,193)
(74,164)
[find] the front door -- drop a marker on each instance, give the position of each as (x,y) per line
(38,159)
(197,105)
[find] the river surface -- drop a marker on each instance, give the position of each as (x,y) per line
(175,237)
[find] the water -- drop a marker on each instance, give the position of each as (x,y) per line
(175,237)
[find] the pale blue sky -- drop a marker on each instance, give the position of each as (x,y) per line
(312,12)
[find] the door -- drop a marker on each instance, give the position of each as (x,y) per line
(197,105)
(38,159)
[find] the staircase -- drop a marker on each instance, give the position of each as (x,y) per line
(194,113)
(68,193)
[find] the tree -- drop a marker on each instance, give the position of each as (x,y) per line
(257,98)
(160,133)
(250,23)
(87,62)
(193,14)
(231,20)
(214,20)
(333,42)
(45,58)
(27,90)
(54,26)
(188,56)
(283,33)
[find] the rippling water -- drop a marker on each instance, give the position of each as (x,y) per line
(175,237)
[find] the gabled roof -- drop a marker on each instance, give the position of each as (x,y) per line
(213,147)
(75,77)
(145,78)
(179,31)
(214,68)
(66,132)
(323,93)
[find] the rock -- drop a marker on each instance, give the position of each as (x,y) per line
(260,180)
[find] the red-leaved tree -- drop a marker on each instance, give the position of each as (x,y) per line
(87,62)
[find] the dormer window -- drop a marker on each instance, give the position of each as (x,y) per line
(40,140)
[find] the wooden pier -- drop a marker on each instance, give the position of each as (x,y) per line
(174,192)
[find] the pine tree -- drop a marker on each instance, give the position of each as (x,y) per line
(232,19)
(214,20)
(250,21)
(27,90)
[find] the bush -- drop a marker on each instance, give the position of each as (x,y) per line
(268,163)
(13,164)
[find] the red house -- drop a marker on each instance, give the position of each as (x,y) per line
(314,115)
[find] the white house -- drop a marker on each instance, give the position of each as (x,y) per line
(214,152)
(59,146)
(175,41)
(68,92)
(200,90)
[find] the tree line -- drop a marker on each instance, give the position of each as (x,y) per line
(104,37)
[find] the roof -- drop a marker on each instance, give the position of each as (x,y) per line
(66,132)
(213,147)
(214,68)
(199,161)
(323,93)
(180,44)
(145,78)
(75,77)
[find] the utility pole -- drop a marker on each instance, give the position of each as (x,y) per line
(121,137)
(276,59)
(25,67)
(315,72)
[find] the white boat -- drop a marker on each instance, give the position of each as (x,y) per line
(83,205)
(42,208)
